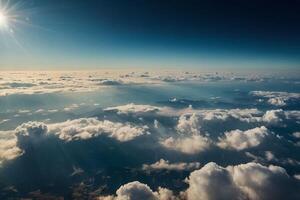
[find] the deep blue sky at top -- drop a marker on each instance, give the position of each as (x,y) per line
(154,33)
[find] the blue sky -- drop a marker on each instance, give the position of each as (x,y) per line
(152,34)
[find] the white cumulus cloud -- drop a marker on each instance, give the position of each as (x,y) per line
(260,182)
(273,116)
(13,143)
(188,124)
(250,181)
(189,145)
(212,182)
(276,98)
(240,140)
(166,165)
(8,146)
(139,191)
(86,128)
(245,181)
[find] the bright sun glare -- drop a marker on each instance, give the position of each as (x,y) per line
(3,19)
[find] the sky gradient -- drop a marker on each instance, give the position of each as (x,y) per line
(192,34)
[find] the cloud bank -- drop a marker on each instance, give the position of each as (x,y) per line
(251,181)
(276,98)
(13,143)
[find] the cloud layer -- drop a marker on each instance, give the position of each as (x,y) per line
(13,142)
(213,182)
(277,98)
(53,82)
(178,140)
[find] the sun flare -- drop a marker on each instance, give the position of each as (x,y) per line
(3,19)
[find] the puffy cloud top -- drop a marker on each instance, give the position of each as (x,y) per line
(139,191)
(135,191)
(273,116)
(250,181)
(192,118)
(32,129)
(8,146)
(189,145)
(166,165)
(241,140)
(260,182)
(276,98)
(86,128)
(13,143)
(190,140)
(246,181)
(212,182)
(188,124)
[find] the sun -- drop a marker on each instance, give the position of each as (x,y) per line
(3,19)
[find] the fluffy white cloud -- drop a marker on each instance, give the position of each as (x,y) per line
(245,115)
(8,146)
(246,181)
(240,140)
(188,124)
(212,182)
(260,182)
(199,116)
(277,101)
(31,129)
(166,165)
(166,194)
(190,140)
(139,191)
(135,190)
(273,116)
(276,98)
(189,145)
(86,128)
(13,142)
(251,181)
